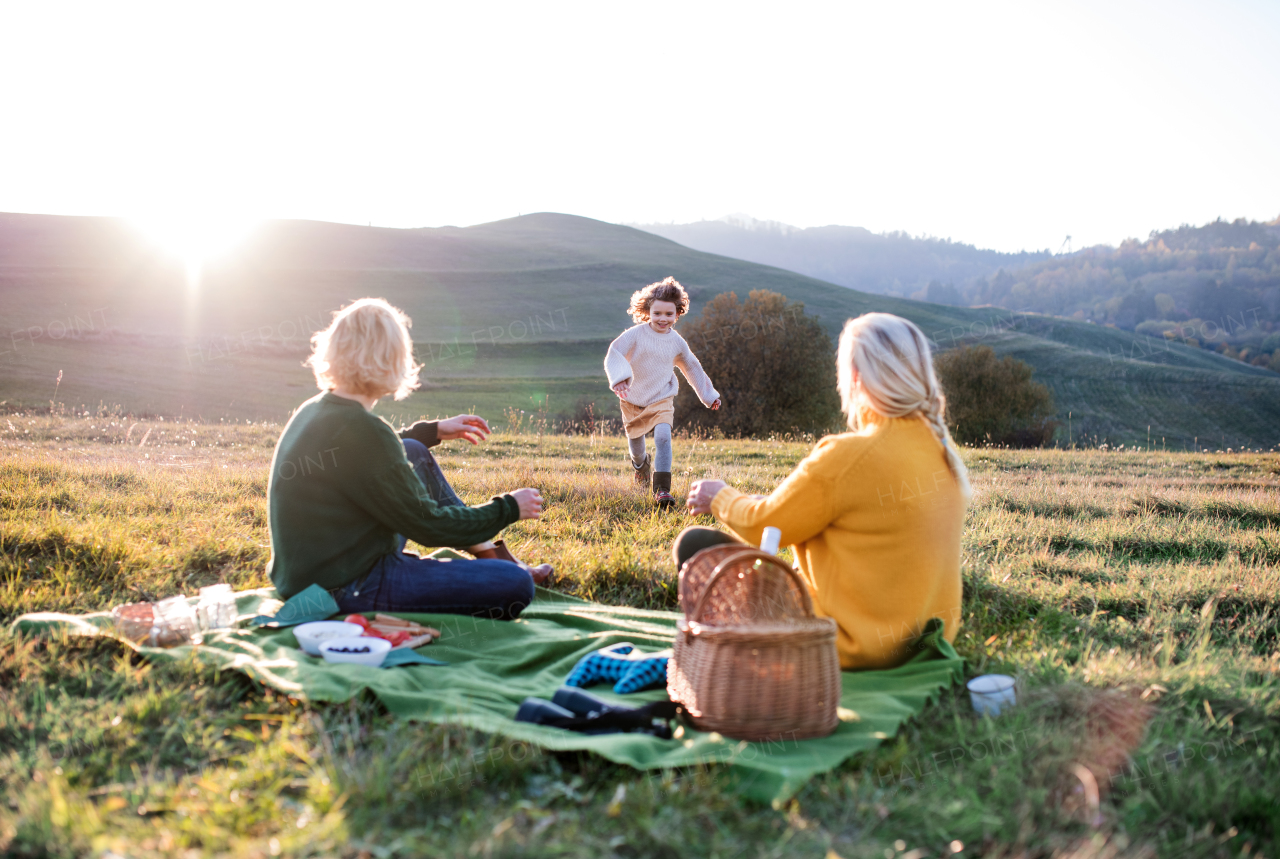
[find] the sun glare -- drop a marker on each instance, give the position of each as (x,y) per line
(194,239)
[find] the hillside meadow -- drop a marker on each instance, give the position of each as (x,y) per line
(1133,594)
(506,314)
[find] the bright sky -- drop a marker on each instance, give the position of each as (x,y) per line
(1007,125)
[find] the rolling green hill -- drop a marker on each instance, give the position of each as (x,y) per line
(515,313)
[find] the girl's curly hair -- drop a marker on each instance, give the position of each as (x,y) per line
(667,289)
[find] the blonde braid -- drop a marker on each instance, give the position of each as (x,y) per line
(933,411)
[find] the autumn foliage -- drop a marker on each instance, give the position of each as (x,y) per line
(773,365)
(994,401)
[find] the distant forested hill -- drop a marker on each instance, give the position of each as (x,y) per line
(888,263)
(1216,286)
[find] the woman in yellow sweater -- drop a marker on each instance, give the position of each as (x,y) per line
(873,515)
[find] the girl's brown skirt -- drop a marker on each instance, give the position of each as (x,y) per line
(639,421)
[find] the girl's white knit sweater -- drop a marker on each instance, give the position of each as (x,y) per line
(649,360)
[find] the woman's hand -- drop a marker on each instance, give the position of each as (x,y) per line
(530,501)
(716,405)
(471,427)
(701,494)
(622,389)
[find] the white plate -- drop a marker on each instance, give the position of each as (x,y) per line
(364,650)
(311,635)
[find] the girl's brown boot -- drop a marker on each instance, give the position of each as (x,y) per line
(662,489)
(642,473)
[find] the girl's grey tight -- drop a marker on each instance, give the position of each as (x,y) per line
(662,445)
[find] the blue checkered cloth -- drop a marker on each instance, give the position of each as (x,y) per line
(631,669)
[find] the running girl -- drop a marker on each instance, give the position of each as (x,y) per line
(641,366)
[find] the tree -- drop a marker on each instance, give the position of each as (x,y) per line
(993,400)
(1135,307)
(940,293)
(773,365)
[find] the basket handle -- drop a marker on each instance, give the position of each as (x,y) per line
(722,568)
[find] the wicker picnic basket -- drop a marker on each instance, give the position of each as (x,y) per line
(751,661)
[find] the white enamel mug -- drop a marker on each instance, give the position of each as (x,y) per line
(991,693)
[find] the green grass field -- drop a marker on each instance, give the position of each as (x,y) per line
(1134,594)
(258,386)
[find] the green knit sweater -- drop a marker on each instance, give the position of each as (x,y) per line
(341,489)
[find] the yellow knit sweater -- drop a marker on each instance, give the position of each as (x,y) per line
(874,519)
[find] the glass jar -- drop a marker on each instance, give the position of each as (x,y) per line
(173,623)
(134,620)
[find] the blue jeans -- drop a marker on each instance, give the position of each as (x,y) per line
(407,583)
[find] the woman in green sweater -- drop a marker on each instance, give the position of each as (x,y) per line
(346,490)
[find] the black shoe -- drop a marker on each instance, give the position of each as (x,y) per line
(580,703)
(540,712)
(654,719)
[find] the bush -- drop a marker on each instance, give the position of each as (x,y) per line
(993,400)
(1159,328)
(773,365)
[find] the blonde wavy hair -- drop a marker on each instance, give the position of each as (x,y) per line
(895,378)
(366,349)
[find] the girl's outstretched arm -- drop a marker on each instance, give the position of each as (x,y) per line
(697,377)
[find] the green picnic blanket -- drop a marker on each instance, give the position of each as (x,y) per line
(493,665)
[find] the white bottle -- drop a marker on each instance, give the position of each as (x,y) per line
(770,539)
(217,608)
